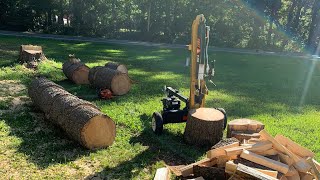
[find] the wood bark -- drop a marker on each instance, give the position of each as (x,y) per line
(106,78)
(92,73)
(76,72)
(204,127)
(115,66)
(80,119)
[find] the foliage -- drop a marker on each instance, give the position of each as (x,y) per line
(266,88)
(279,25)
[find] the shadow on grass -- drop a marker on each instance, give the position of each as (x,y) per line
(43,143)
(168,148)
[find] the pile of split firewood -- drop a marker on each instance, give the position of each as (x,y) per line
(265,157)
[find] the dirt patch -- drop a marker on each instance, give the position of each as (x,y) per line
(12,96)
(11,88)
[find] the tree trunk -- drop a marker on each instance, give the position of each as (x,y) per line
(61,13)
(113,16)
(106,78)
(49,17)
(204,127)
(149,16)
(313,25)
(80,119)
(76,72)
(296,20)
(115,66)
(290,16)
(269,33)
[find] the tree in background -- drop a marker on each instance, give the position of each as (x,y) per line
(280,25)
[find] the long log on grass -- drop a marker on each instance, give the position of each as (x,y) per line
(76,72)
(106,78)
(80,119)
(115,66)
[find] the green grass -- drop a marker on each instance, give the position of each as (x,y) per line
(265,88)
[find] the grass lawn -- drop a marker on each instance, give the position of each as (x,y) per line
(265,88)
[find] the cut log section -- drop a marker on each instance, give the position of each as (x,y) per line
(244,129)
(106,78)
(76,72)
(80,119)
(92,73)
(30,55)
(115,66)
(204,127)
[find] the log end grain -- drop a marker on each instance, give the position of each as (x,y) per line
(80,76)
(122,68)
(115,66)
(207,114)
(99,132)
(120,84)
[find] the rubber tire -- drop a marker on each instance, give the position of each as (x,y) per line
(157,117)
(225,117)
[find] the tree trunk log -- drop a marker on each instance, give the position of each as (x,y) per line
(106,78)
(115,66)
(92,73)
(76,72)
(204,127)
(80,119)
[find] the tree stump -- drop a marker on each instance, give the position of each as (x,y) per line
(204,127)
(31,55)
(115,66)
(80,119)
(76,72)
(114,80)
(244,129)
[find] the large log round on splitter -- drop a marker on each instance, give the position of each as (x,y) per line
(106,78)
(80,119)
(204,127)
(76,72)
(115,66)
